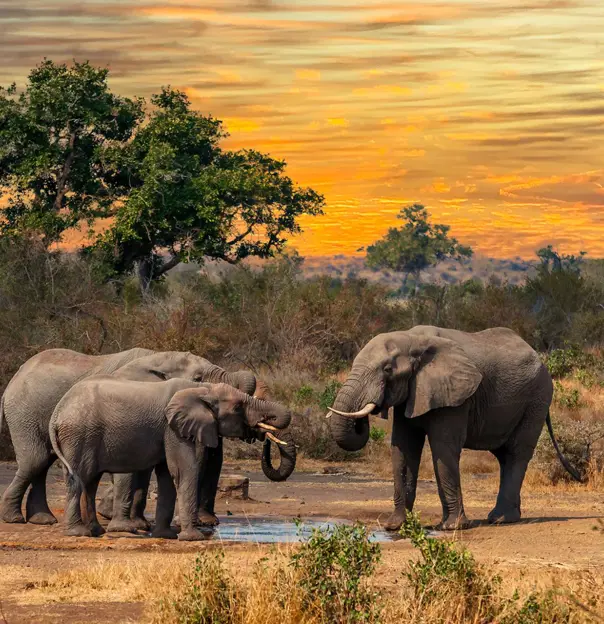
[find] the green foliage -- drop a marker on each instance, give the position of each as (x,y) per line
(415,246)
(52,136)
(568,398)
(377,435)
(183,193)
(328,396)
(304,395)
(333,567)
(208,592)
(442,562)
(552,261)
(562,362)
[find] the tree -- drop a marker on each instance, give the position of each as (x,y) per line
(51,138)
(182,194)
(552,261)
(415,246)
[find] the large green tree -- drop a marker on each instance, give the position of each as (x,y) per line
(415,246)
(184,198)
(52,135)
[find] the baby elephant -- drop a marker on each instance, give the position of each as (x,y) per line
(104,424)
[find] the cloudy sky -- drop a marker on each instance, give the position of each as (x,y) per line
(489,112)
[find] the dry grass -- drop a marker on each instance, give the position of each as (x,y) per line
(260,586)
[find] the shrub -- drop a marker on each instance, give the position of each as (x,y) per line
(333,568)
(568,398)
(377,435)
(562,362)
(582,444)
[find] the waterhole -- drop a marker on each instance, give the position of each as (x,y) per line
(270,530)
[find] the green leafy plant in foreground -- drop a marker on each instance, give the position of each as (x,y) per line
(333,567)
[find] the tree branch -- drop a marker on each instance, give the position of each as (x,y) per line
(174,260)
(61,182)
(239,238)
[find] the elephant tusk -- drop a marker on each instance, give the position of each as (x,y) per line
(360,414)
(276,440)
(267,427)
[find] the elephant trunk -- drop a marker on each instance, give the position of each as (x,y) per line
(242,380)
(352,433)
(287,454)
(273,414)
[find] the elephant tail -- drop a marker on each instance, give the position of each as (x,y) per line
(573,472)
(52,430)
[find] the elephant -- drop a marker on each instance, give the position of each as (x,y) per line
(34,391)
(486,390)
(106,424)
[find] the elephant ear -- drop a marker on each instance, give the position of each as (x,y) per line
(189,413)
(445,377)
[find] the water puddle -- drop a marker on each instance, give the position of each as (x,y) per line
(271,531)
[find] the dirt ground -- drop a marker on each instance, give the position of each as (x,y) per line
(557,533)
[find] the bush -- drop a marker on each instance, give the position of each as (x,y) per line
(581,442)
(377,435)
(333,567)
(568,398)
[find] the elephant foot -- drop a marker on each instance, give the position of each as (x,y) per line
(458,523)
(97,530)
(193,535)
(78,530)
(508,516)
(395,521)
(207,518)
(42,517)
(142,524)
(11,516)
(122,525)
(164,533)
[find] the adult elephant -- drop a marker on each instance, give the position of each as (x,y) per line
(486,390)
(107,424)
(40,383)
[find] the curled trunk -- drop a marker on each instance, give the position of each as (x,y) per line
(242,380)
(287,455)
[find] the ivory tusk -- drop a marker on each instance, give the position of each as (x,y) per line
(276,440)
(360,414)
(267,427)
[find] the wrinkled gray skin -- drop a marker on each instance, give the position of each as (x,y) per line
(486,390)
(104,424)
(40,383)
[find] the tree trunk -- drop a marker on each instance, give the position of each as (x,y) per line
(145,274)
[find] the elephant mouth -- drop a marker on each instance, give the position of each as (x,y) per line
(267,429)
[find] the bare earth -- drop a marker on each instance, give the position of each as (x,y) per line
(557,534)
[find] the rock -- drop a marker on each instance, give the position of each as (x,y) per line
(229,485)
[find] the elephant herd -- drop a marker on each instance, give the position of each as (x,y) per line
(139,411)
(128,414)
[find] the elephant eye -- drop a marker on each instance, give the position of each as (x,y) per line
(388,369)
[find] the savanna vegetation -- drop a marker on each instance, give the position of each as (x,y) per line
(148,187)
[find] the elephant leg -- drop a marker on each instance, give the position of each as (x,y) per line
(32,462)
(91,518)
(183,463)
(211,466)
(139,499)
(74,525)
(37,510)
(446,442)
(123,494)
(514,457)
(407,445)
(166,502)
(105,507)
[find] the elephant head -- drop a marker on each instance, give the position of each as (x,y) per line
(420,371)
(165,365)
(211,411)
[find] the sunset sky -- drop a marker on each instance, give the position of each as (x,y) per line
(489,112)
